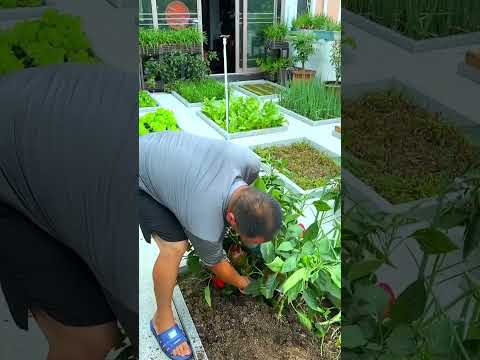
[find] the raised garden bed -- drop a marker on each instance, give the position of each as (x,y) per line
(303,165)
(154,42)
(145,102)
(321,26)
(260,89)
(311,102)
(470,68)
(248,117)
(401,162)
(24,11)
(410,44)
(192,93)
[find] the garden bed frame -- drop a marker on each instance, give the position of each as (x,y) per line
(238,87)
(240,134)
(307,120)
(322,35)
(185,101)
(364,194)
(290,184)
(406,43)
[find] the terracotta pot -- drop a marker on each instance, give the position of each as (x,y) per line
(303,74)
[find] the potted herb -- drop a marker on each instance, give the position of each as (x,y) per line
(275,36)
(336,62)
(303,45)
(274,67)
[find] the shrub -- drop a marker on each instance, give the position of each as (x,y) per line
(160,120)
(303,45)
(197,90)
(245,114)
(145,100)
(312,99)
(151,38)
(53,39)
(318,22)
(20,3)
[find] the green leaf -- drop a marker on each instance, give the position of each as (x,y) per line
(290,264)
(268,251)
(364,268)
(474,331)
(311,299)
(401,341)
(254,287)
(374,297)
(207,295)
(193,264)
(293,279)
(352,337)
(410,305)
(336,275)
(271,285)
(285,246)
(312,232)
(472,235)
(275,265)
(433,241)
(304,320)
(321,206)
(307,249)
(440,337)
(260,184)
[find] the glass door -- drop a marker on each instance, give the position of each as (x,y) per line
(253,16)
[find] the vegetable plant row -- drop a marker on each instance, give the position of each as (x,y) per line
(151,38)
(53,39)
(246,113)
(299,271)
(160,120)
(145,100)
(311,99)
(196,91)
(421,19)
(20,3)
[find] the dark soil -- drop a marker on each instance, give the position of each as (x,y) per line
(239,327)
(305,165)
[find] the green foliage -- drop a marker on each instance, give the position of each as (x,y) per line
(421,19)
(53,39)
(317,22)
(20,3)
(273,65)
(276,32)
(303,44)
(246,113)
(336,59)
(152,38)
(160,120)
(312,99)
(197,90)
(145,100)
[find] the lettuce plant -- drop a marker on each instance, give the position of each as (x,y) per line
(145,100)
(246,114)
(160,120)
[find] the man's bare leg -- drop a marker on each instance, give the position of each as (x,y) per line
(77,342)
(165,273)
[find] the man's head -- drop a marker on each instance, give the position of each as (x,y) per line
(255,216)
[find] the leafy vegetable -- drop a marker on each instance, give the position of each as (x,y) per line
(245,114)
(145,100)
(197,90)
(160,120)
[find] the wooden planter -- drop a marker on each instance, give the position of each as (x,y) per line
(303,74)
(165,49)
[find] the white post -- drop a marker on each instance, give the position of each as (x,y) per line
(225,70)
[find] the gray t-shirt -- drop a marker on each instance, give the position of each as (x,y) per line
(194,177)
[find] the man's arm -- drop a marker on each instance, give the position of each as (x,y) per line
(225,271)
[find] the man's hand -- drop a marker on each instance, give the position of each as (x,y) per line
(246,283)
(225,271)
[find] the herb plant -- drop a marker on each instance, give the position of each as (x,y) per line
(145,100)
(276,32)
(53,39)
(160,120)
(152,38)
(272,66)
(246,113)
(198,90)
(303,43)
(312,99)
(421,19)
(308,167)
(317,22)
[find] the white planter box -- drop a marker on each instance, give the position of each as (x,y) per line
(238,86)
(336,134)
(241,134)
(407,43)
(469,72)
(290,184)
(307,120)
(185,101)
(365,195)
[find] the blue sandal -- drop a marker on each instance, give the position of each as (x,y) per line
(169,340)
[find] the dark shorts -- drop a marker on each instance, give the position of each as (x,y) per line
(37,271)
(155,218)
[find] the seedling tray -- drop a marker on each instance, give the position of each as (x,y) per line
(469,72)
(239,86)
(290,184)
(185,101)
(240,134)
(365,195)
(406,43)
(307,120)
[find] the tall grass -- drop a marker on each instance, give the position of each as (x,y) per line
(421,19)
(197,90)
(150,38)
(316,22)
(311,99)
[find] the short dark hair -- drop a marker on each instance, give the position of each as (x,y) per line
(257,214)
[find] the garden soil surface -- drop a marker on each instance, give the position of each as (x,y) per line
(239,327)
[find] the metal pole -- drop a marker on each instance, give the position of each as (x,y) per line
(225,71)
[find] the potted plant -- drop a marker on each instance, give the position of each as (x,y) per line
(275,36)
(274,67)
(336,62)
(303,45)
